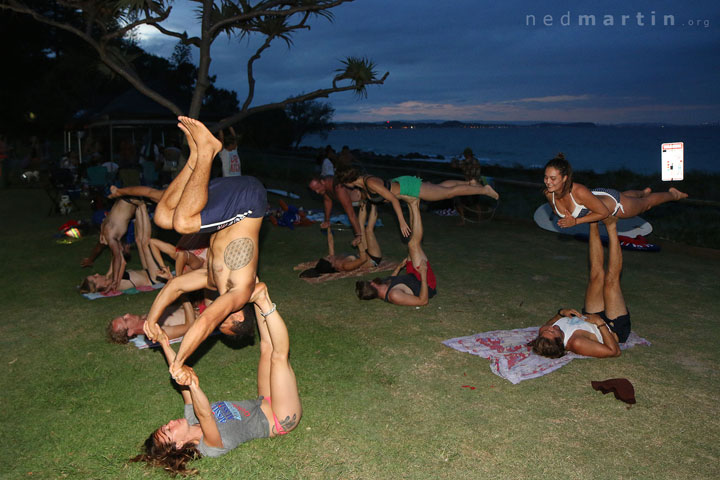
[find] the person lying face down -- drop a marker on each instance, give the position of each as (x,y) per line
(177,320)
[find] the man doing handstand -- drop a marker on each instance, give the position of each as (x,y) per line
(232,208)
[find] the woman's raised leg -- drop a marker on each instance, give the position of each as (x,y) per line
(594,299)
(634,206)
(278,374)
(614,300)
(431,192)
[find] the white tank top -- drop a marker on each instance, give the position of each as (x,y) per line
(570,325)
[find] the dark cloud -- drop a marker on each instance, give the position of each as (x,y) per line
(465,53)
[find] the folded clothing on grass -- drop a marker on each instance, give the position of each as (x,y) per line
(510,356)
(129,291)
(367,268)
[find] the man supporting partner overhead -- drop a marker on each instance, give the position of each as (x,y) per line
(232,208)
(330,191)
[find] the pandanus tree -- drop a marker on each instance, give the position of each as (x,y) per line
(106,25)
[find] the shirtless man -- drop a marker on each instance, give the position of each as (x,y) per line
(325,188)
(232,208)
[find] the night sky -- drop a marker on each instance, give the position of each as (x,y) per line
(477,60)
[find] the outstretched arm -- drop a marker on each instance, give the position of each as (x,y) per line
(232,301)
(175,287)
(378,187)
(201,407)
(327,205)
(137,191)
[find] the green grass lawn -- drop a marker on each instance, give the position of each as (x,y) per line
(382,396)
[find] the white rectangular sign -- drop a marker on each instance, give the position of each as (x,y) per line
(672,161)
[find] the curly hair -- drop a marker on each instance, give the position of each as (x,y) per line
(564,169)
(167,456)
(550,348)
(117,336)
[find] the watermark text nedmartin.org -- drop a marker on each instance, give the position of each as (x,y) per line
(637,19)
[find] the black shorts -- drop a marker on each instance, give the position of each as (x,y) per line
(620,326)
(231,199)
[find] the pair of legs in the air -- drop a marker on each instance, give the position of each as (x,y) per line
(187,194)
(415,251)
(276,378)
(603,291)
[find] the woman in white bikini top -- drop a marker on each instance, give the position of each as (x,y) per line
(575,203)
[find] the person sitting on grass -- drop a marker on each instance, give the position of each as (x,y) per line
(177,319)
(369,249)
(378,190)
(212,430)
(596,334)
(575,203)
(417,285)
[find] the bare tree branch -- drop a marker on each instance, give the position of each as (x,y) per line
(320,93)
(276,13)
(148,20)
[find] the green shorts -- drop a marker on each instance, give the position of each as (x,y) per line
(409,185)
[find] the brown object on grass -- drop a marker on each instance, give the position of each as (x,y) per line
(621,387)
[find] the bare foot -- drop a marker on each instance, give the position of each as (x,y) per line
(677,194)
(490,192)
(114,192)
(204,139)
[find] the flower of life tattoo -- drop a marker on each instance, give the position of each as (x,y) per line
(239,253)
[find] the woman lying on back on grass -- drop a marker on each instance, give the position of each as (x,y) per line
(368,249)
(214,429)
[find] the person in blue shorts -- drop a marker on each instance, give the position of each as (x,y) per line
(232,208)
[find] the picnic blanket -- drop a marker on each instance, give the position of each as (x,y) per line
(512,359)
(129,291)
(365,269)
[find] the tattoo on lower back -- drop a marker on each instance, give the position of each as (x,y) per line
(239,253)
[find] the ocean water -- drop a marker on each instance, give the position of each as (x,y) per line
(600,148)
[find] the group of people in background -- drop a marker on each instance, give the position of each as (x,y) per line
(216,287)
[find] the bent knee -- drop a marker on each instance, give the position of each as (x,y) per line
(184,225)
(163,218)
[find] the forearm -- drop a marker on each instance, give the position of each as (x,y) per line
(327,204)
(200,402)
(192,339)
(609,340)
(592,217)
(165,297)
